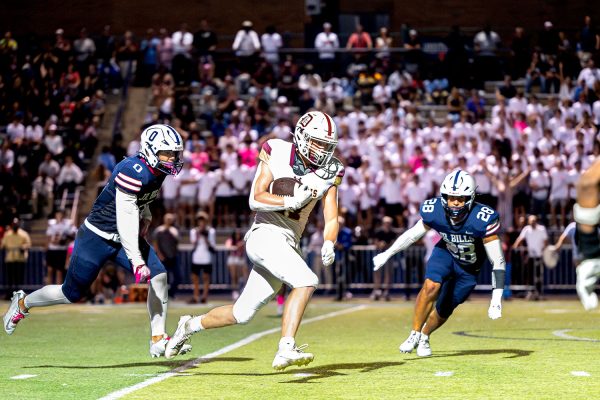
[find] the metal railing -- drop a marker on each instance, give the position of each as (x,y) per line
(352,270)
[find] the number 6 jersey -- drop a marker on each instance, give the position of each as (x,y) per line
(465,240)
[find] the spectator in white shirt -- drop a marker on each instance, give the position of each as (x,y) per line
(169,191)
(271,43)
(327,43)
(596,113)
(187,181)
(70,175)
(393,196)
(539,181)
(589,75)
(536,238)
(42,195)
(559,194)
(34,132)
(349,197)
(416,193)
(16,130)
(53,141)
(182,41)
(7,158)
(246,45)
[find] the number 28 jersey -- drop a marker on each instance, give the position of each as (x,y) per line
(465,240)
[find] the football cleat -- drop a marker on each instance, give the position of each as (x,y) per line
(14,313)
(295,356)
(423,349)
(181,335)
(411,342)
(158,349)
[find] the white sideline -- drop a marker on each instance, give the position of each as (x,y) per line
(125,391)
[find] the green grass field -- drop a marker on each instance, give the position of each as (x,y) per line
(87,352)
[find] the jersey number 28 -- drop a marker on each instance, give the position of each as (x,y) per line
(485,214)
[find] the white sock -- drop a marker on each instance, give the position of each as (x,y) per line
(158,298)
(46,296)
(424,336)
(195,324)
(287,342)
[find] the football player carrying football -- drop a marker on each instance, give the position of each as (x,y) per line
(114,230)
(272,243)
(468,230)
(586,213)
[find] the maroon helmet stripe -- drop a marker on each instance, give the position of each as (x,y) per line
(329,132)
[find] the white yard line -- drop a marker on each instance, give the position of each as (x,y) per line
(580,373)
(444,373)
(130,389)
(562,333)
(24,376)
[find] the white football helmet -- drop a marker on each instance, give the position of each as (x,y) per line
(458,183)
(162,138)
(316,137)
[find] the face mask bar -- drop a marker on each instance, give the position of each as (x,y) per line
(170,167)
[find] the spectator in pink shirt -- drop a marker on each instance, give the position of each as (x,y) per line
(199,157)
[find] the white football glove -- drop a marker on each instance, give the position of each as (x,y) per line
(495,310)
(302,195)
(142,273)
(379,260)
(328,253)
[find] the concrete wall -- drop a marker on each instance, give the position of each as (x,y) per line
(288,15)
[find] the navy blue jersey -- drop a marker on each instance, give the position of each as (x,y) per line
(132,175)
(465,240)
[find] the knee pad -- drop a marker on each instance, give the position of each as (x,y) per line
(243,313)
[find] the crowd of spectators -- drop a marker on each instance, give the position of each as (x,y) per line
(52,101)
(525,144)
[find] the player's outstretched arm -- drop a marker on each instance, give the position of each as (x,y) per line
(493,248)
(403,242)
(128,226)
(331,228)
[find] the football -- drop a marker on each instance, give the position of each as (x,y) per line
(283,186)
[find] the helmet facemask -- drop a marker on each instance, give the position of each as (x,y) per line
(170,167)
(457,214)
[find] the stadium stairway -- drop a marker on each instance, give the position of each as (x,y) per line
(37,227)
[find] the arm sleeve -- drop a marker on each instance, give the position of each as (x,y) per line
(408,238)
(496,257)
(128,226)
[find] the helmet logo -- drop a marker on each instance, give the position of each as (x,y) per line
(455,180)
(305,120)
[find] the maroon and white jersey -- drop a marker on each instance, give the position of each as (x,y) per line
(284,162)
